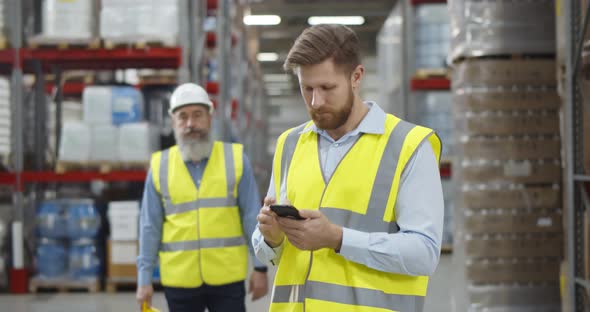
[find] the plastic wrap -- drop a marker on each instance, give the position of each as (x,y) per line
(112,105)
(5,116)
(508,123)
(432,35)
(508,218)
(528,171)
(506,148)
(493,73)
(514,196)
(493,27)
(480,99)
(135,20)
(72,19)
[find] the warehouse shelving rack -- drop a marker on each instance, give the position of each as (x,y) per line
(186,58)
(577,181)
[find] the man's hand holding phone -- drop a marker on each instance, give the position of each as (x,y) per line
(268,224)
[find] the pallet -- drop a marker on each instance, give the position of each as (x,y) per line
(37,284)
(514,56)
(432,73)
(446,249)
(136,44)
(4,44)
(102,167)
(41,42)
(117,284)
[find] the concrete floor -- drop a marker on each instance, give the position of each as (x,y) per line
(438,299)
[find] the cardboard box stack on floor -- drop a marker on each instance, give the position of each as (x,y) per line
(122,247)
(506,109)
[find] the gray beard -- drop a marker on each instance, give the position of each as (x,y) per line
(193,149)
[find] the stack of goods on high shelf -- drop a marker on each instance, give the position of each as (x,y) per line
(5,221)
(132,21)
(433,107)
(112,132)
(5,119)
(67,255)
(509,232)
(67,22)
(433,36)
(122,247)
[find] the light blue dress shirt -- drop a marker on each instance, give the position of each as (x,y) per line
(415,249)
(151,216)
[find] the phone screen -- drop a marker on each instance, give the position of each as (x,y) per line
(286,211)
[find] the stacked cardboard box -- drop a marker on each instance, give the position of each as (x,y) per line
(507,114)
(122,247)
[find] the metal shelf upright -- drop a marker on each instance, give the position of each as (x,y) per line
(577,19)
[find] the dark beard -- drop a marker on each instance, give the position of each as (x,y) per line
(328,119)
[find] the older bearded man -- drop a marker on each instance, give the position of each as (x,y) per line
(199,204)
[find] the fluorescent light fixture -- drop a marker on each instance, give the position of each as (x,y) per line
(262,20)
(277,78)
(344,20)
(267,57)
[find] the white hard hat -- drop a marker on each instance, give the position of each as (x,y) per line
(187,94)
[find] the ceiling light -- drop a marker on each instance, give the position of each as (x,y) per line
(344,20)
(267,57)
(277,78)
(262,20)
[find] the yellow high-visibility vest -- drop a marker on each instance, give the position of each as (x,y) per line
(361,195)
(202,237)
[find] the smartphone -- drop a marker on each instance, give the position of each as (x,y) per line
(286,211)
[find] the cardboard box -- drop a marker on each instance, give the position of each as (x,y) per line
(504,149)
(521,245)
(512,172)
(508,222)
(537,197)
(506,124)
(473,100)
(513,271)
(494,72)
(124,219)
(121,257)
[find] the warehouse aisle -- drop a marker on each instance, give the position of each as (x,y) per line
(437,301)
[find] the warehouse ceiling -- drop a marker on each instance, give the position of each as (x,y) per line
(294,15)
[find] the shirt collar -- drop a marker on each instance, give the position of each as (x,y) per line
(372,123)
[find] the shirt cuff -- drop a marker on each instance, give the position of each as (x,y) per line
(355,245)
(144,277)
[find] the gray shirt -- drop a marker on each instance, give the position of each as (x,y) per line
(415,249)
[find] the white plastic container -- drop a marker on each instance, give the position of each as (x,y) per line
(104,143)
(137,142)
(75,142)
(71,19)
(97,105)
(124,218)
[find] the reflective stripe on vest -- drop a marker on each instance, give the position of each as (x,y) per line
(203,243)
(171,208)
(346,295)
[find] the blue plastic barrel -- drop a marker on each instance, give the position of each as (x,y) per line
(83,219)
(84,261)
(52,220)
(52,258)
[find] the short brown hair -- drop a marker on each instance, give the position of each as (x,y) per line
(321,42)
